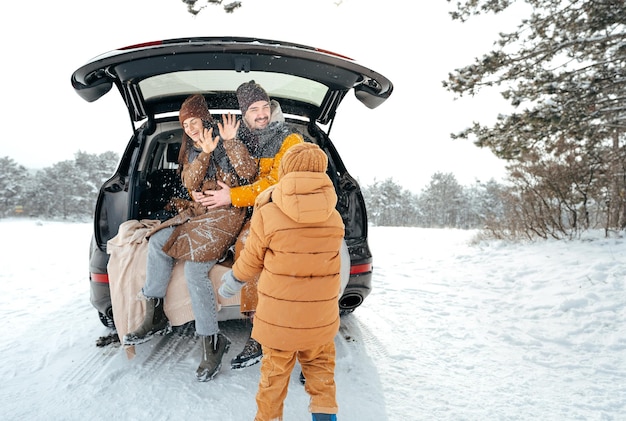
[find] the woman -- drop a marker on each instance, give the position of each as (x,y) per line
(197,235)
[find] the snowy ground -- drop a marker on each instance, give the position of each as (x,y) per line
(452,331)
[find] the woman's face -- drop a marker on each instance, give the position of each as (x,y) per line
(193,128)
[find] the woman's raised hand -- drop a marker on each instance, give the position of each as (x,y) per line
(207,142)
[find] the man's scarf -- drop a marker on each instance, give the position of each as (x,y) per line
(266,142)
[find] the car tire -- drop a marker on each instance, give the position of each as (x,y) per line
(106,320)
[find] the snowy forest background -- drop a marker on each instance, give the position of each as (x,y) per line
(68,190)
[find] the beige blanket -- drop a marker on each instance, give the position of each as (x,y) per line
(127,273)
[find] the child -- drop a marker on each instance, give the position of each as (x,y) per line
(294,242)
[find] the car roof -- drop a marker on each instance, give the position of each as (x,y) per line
(155,77)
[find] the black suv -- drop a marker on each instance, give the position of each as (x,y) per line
(155,78)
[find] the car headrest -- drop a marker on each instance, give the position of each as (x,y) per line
(173,150)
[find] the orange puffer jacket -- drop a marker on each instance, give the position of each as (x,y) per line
(243,196)
(294,241)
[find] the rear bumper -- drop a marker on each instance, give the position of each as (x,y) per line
(358,288)
(99,292)
(100,297)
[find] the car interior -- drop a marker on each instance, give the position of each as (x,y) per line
(160,181)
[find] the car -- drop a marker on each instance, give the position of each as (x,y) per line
(154,78)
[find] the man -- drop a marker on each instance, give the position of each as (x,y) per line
(267,137)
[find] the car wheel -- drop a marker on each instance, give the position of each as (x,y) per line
(106,320)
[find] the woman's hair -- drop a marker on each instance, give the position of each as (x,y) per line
(193,106)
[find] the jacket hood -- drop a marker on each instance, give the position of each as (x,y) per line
(305,197)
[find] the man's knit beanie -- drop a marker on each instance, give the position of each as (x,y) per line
(303,157)
(194,106)
(248,93)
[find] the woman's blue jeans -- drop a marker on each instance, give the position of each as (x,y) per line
(158,274)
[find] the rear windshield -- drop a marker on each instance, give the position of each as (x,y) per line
(194,81)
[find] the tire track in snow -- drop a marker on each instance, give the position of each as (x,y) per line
(90,368)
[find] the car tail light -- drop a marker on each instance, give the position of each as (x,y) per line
(359,269)
(142,45)
(321,50)
(102,278)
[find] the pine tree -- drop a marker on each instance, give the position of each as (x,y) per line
(563,69)
(12,187)
(442,202)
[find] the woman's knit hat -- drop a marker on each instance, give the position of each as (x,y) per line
(303,157)
(248,93)
(194,106)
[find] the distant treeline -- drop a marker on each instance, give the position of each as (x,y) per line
(68,190)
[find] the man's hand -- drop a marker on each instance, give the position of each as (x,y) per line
(213,198)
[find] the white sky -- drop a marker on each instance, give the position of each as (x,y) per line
(412,43)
